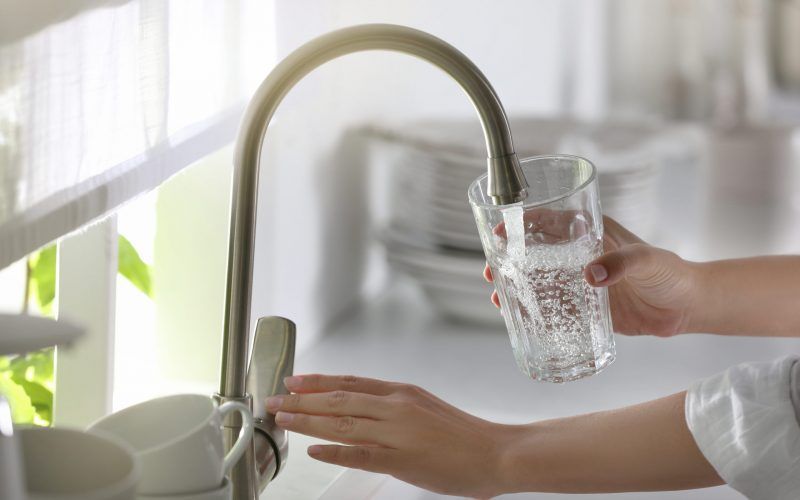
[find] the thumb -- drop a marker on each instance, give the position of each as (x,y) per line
(612,267)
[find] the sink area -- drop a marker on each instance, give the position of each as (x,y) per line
(398,330)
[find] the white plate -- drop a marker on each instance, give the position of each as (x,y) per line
(20,333)
(462,306)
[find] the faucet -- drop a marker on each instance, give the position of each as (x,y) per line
(274,338)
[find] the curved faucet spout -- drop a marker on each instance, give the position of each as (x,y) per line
(506,181)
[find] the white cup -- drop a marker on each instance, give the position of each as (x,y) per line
(65,464)
(178,440)
(223,493)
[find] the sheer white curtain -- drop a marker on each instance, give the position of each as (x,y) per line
(101,101)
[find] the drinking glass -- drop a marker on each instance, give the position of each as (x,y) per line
(559,325)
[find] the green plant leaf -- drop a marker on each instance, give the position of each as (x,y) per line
(18,367)
(34,367)
(22,410)
(33,373)
(40,397)
(132,267)
(43,278)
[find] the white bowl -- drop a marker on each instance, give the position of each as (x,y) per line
(65,464)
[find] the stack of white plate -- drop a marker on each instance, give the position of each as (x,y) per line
(434,164)
(629,161)
(431,233)
(450,278)
(429,198)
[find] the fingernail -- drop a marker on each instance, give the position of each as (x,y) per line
(274,402)
(283,418)
(314,450)
(599,272)
(292,382)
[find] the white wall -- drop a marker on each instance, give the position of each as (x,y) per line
(313,220)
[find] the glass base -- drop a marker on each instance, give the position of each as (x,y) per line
(582,369)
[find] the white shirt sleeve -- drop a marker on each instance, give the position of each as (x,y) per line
(744,422)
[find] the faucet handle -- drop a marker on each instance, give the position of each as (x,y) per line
(271,361)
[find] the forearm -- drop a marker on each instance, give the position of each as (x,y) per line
(755,296)
(646,447)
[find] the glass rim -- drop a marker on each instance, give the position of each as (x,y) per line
(547,201)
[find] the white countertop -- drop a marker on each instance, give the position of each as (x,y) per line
(398,337)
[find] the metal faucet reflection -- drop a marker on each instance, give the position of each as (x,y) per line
(273,347)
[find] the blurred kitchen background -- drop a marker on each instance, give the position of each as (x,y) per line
(117,117)
(688,108)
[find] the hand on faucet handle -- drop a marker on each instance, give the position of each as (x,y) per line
(396,429)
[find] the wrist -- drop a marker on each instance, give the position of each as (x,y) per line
(701,310)
(516,464)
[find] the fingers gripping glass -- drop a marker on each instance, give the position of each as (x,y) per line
(559,325)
